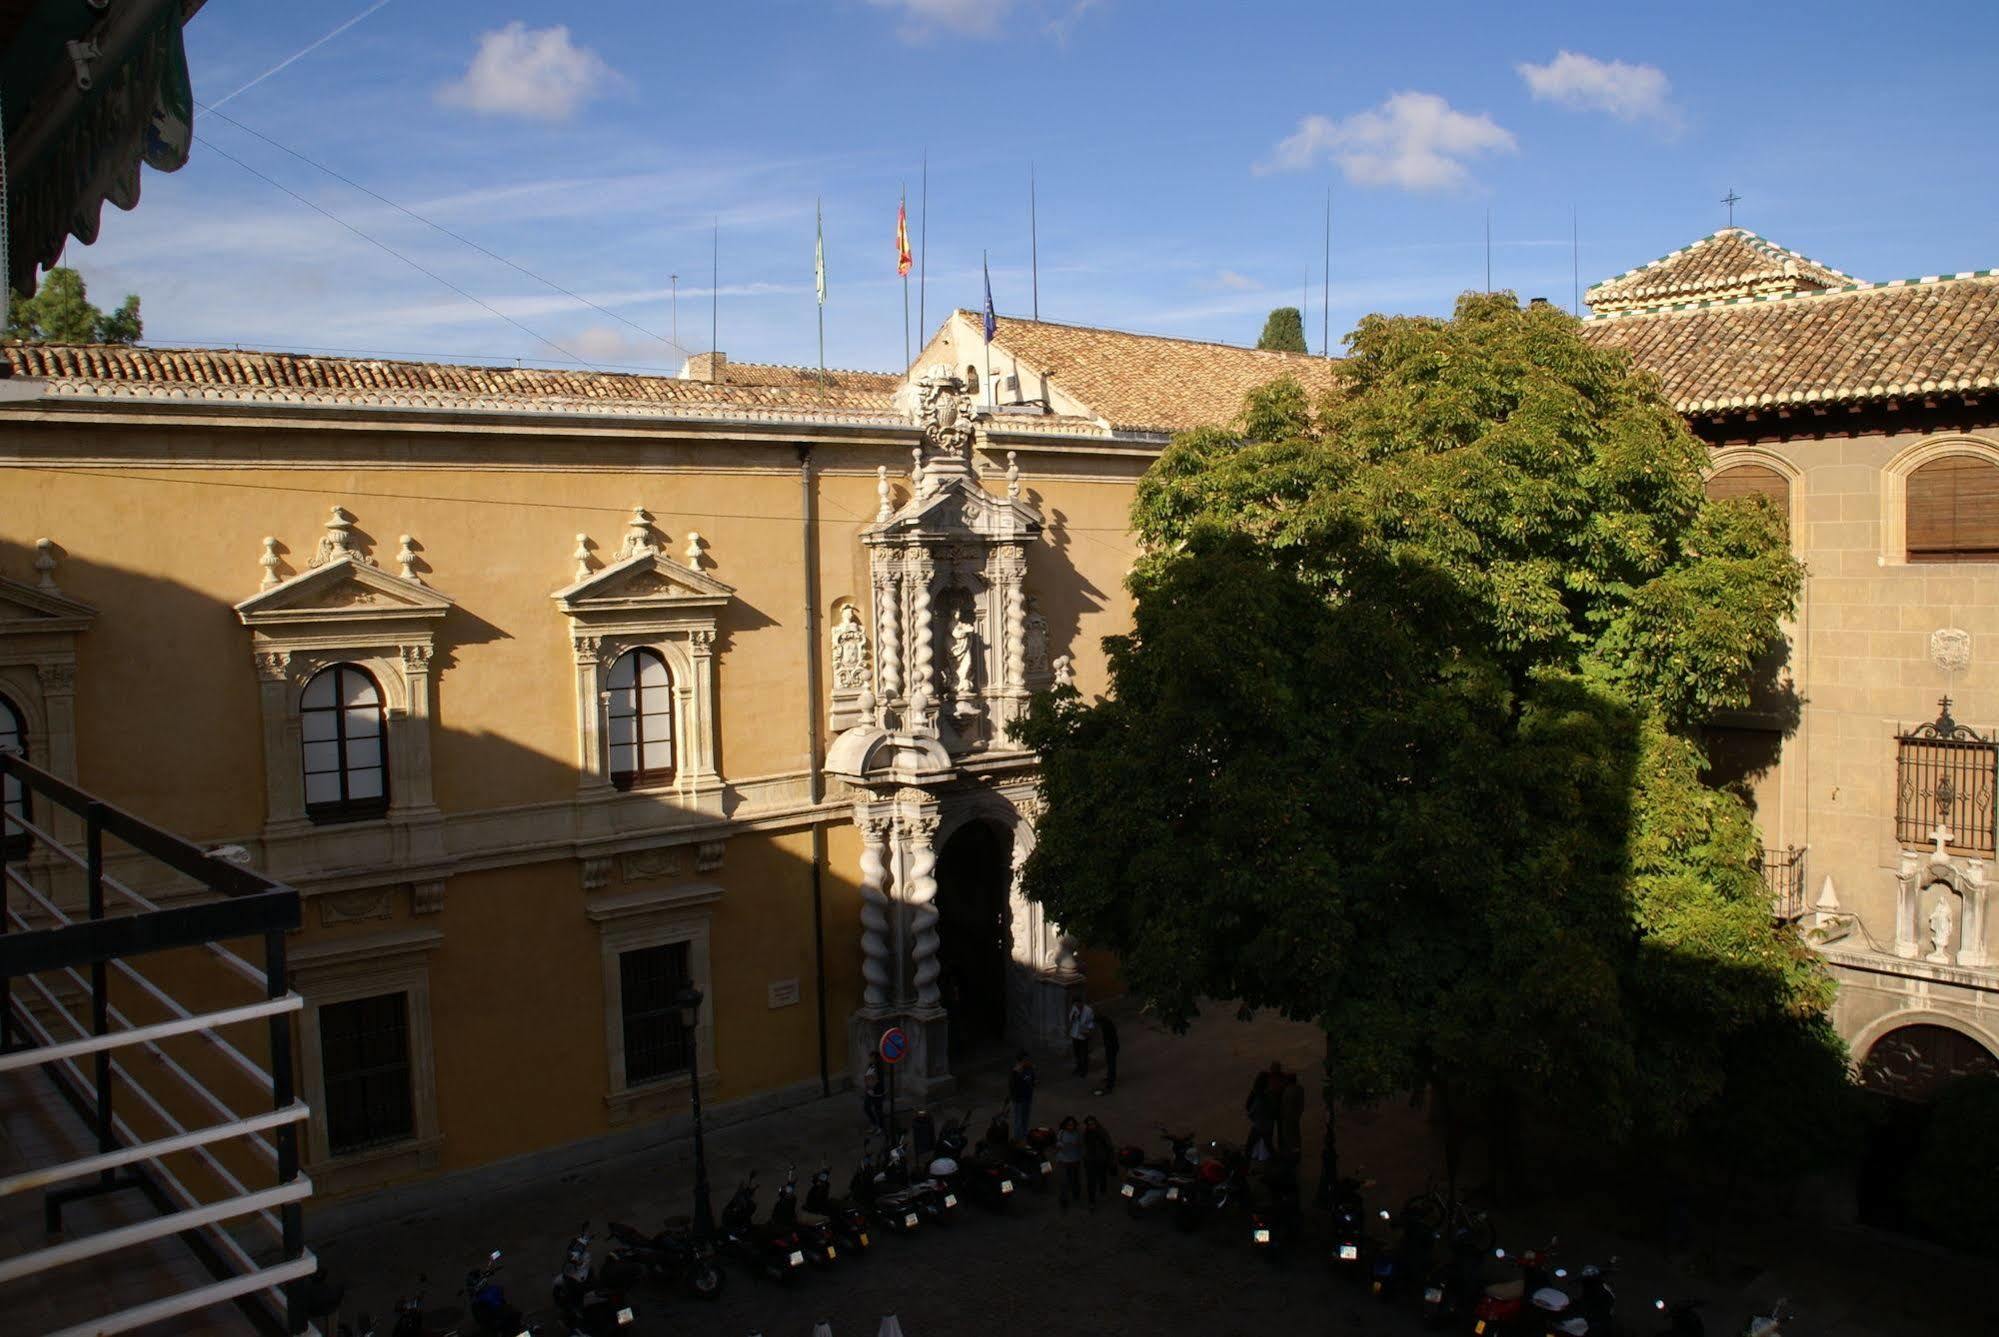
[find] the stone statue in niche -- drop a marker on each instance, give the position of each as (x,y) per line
(1940,931)
(1034,640)
(962,680)
(1065,671)
(850,651)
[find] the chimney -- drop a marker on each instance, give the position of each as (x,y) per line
(712,367)
(1538,301)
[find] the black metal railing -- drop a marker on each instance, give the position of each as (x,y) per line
(1784,875)
(1947,780)
(52,957)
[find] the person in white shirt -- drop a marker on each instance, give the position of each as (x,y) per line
(1082,1025)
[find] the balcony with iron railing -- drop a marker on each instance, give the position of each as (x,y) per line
(1784,876)
(150,1165)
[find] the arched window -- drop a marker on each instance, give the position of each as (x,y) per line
(1746,480)
(640,716)
(14,734)
(1953,510)
(346,764)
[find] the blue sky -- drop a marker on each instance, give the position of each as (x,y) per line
(1182,151)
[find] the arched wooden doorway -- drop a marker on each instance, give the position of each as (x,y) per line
(975,933)
(1905,1070)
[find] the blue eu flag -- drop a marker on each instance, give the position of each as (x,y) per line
(992,322)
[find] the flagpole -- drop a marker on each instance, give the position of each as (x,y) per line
(923,249)
(715,303)
(903,213)
(819,266)
(1326,292)
(1033,242)
(985,268)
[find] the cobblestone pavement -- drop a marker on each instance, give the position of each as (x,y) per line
(1041,1269)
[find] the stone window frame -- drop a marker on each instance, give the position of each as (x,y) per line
(676,616)
(1895,490)
(653,917)
(1733,457)
(340,970)
(38,675)
(386,626)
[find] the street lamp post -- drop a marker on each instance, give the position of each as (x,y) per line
(688,1000)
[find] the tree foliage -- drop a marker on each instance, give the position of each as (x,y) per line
(1284,331)
(60,313)
(1403,738)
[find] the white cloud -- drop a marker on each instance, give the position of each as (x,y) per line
(924,19)
(1584,83)
(1416,141)
(1063,27)
(1228,278)
(536,73)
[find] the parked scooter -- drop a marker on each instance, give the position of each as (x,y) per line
(1523,1304)
(1594,1303)
(673,1256)
(1275,1219)
(589,1307)
(1029,1159)
(486,1300)
(891,1208)
(847,1218)
(1162,1181)
(814,1232)
(1221,1179)
(1453,1286)
(979,1174)
(1349,1232)
(1396,1265)
(773,1253)
(935,1201)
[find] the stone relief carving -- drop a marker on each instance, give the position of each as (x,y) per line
(1034,639)
(427,898)
(945,413)
(639,865)
(708,855)
(850,651)
(1950,649)
(57,677)
(596,873)
(638,535)
(346,907)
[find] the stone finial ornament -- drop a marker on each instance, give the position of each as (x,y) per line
(45,564)
(916,471)
(339,542)
(1013,476)
(269,561)
(1065,671)
(883,510)
(582,556)
(695,543)
(638,535)
(406,559)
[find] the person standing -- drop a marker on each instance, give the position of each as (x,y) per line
(1020,1092)
(1291,1117)
(1261,1107)
(1107,1033)
(871,1095)
(1082,1025)
(1069,1159)
(1098,1153)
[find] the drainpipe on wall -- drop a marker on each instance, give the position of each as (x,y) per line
(810,552)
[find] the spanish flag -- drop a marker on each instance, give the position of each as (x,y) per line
(902,238)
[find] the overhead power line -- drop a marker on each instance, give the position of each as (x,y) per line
(301,53)
(377,242)
(455,236)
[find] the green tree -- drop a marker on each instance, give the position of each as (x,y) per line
(1402,740)
(60,313)
(1284,331)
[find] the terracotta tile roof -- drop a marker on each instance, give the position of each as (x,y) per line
(223,373)
(1857,343)
(1147,382)
(1733,262)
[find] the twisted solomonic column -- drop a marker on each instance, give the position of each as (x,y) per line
(889,610)
(875,950)
(921,895)
(1016,634)
(922,673)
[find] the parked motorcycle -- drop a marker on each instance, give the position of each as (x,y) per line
(814,1232)
(1029,1159)
(1275,1218)
(1221,1179)
(1349,1233)
(1396,1264)
(673,1256)
(934,1200)
(891,1208)
(1523,1304)
(1770,1324)
(589,1306)
(1453,1286)
(847,1218)
(773,1253)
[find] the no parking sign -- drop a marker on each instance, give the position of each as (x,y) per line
(894,1045)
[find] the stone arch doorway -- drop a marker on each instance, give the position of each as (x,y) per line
(1904,1070)
(975,933)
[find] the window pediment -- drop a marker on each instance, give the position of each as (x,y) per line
(27,610)
(342,593)
(647,583)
